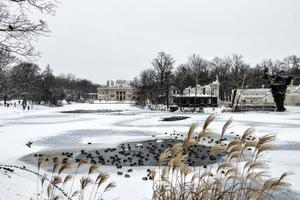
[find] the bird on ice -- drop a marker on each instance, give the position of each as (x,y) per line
(29,144)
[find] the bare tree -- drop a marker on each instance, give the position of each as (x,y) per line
(200,69)
(18,30)
(5,82)
(233,72)
(163,65)
(146,87)
(183,78)
(293,65)
(220,69)
(237,68)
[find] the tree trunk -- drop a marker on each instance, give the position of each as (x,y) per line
(278,92)
(233,98)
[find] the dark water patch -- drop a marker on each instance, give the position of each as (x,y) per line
(91,111)
(288,146)
(174,118)
(129,123)
(124,113)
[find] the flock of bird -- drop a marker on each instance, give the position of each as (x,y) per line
(142,153)
(134,154)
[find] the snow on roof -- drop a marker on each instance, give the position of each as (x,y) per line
(193,95)
(294,89)
(255,92)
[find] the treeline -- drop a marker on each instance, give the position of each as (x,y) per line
(27,81)
(153,84)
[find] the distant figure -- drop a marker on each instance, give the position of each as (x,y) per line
(5,100)
(29,144)
(15,104)
(24,104)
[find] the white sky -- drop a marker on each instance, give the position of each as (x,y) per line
(116,39)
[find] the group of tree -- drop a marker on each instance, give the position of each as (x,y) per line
(19,26)
(19,79)
(153,84)
(27,81)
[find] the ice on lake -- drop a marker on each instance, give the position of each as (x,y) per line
(48,128)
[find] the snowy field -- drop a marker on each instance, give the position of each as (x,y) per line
(49,129)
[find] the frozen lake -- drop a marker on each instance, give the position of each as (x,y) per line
(49,129)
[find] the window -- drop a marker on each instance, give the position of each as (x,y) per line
(201,101)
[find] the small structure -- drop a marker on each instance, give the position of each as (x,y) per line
(116,91)
(263,96)
(208,90)
(292,97)
(199,96)
(196,101)
(255,96)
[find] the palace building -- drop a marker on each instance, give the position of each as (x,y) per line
(119,90)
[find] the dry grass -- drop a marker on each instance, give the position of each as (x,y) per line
(53,186)
(241,174)
(57,182)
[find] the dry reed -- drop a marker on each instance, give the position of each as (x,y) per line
(240,174)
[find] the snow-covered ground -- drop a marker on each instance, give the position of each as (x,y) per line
(48,128)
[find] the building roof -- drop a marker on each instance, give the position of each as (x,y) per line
(294,88)
(115,88)
(193,95)
(255,92)
(262,92)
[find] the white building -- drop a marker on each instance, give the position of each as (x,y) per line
(116,91)
(255,95)
(204,90)
(264,96)
(199,96)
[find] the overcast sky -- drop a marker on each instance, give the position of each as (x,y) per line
(116,39)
